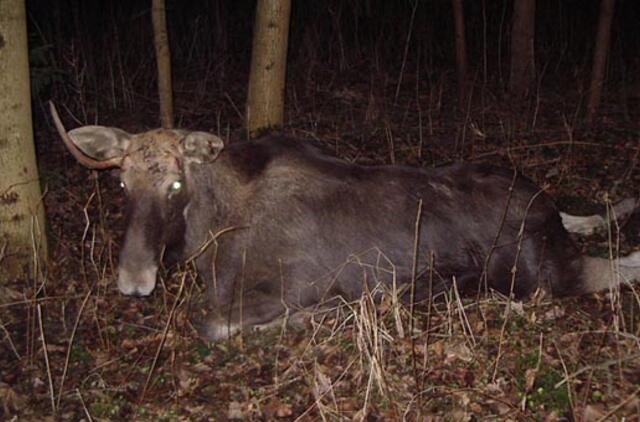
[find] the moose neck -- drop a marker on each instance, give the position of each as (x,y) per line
(213,187)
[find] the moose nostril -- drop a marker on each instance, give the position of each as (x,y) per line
(138,293)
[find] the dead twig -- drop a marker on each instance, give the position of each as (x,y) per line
(165,331)
(71,338)
(46,360)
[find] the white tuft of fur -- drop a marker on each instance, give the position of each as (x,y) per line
(582,225)
(600,274)
(587,225)
(631,261)
(220,330)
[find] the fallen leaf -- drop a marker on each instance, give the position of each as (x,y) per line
(56,348)
(518,308)
(457,351)
(187,382)
(11,400)
(554,313)
(530,378)
(460,415)
(322,384)
(592,413)
(235,410)
(284,410)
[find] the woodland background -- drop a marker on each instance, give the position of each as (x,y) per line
(371,81)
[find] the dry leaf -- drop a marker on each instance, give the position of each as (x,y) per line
(437,348)
(11,400)
(554,313)
(518,308)
(530,378)
(633,404)
(284,410)
(186,381)
(56,348)
(322,384)
(592,413)
(460,415)
(235,410)
(457,351)
(552,417)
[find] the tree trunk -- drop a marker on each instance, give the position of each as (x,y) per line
(461,52)
(265,102)
(163,60)
(22,236)
(600,57)
(522,48)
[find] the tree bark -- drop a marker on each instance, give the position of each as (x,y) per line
(600,57)
(265,101)
(461,52)
(22,235)
(163,61)
(522,48)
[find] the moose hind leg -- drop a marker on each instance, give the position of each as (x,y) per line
(255,308)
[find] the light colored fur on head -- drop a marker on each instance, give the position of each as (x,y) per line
(140,281)
(602,274)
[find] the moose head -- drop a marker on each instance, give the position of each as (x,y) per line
(155,168)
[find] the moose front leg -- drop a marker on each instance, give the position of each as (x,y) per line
(254,308)
(237,295)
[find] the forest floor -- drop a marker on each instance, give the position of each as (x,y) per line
(70,342)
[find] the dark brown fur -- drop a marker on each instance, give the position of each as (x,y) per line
(307,227)
(275,224)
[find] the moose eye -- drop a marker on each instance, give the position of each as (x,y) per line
(122,185)
(176,186)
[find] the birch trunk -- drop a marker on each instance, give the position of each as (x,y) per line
(265,101)
(600,58)
(163,61)
(22,235)
(522,48)
(461,52)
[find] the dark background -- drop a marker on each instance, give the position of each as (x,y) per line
(98,56)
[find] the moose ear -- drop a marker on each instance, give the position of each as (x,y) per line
(100,142)
(201,147)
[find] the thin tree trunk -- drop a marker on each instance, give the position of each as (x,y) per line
(461,52)
(265,102)
(163,60)
(522,48)
(600,57)
(22,236)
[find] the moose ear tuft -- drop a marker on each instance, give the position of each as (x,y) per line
(100,142)
(201,147)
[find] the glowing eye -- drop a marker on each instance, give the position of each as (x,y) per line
(177,185)
(122,185)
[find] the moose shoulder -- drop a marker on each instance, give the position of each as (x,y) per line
(277,224)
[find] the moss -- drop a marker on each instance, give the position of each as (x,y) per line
(543,395)
(201,350)
(79,354)
(108,408)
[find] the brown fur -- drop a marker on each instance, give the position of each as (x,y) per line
(276,224)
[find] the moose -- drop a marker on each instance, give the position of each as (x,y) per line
(274,224)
